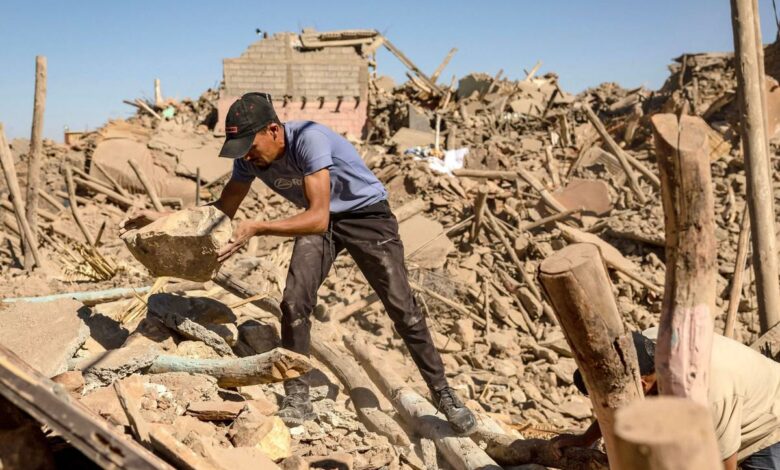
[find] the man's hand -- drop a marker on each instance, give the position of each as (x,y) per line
(562,441)
(138,218)
(243,232)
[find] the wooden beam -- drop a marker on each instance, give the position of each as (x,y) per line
(576,283)
(752,103)
(410,65)
(36,151)
(94,437)
(9,170)
(686,326)
(74,208)
(735,293)
(662,433)
(147,185)
(440,68)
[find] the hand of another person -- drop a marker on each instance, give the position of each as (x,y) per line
(563,441)
(138,218)
(243,232)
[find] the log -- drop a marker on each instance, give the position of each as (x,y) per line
(74,210)
(51,200)
(410,65)
(443,64)
(231,283)
(663,433)
(735,293)
(460,452)
(366,399)
(118,187)
(100,189)
(490,174)
(688,307)
(9,170)
(547,197)
(176,452)
(147,185)
(45,402)
(36,149)
(509,451)
(619,153)
(760,199)
(273,366)
(92,298)
(576,282)
(194,331)
(479,211)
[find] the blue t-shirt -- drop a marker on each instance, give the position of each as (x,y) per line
(310,147)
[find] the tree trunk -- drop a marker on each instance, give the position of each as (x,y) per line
(36,149)
(750,86)
(575,281)
(689,290)
(666,433)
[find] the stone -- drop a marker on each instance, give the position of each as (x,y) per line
(238,458)
(464,328)
(104,402)
(261,337)
(186,425)
(564,370)
(184,244)
(72,381)
(407,138)
(215,410)
(334,461)
(258,398)
(267,433)
(590,195)
(203,158)
(44,335)
(196,350)
(577,407)
(198,309)
(294,462)
(527,106)
(419,230)
(474,82)
(445,343)
(187,388)
(417,120)
(530,303)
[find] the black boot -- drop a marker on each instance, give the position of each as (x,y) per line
(296,406)
(461,418)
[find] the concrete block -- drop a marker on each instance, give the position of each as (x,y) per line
(184,244)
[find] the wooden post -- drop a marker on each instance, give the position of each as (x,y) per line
(158,99)
(147,185)
(576,283)
(197,186)
(7,162)
(664,433)
(688,306)
(735,294)
(750,86)
(479,211)
(36,149)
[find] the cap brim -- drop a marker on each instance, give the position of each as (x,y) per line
(237,148)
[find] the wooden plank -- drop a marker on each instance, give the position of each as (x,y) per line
(36,151)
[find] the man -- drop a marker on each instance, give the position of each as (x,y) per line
(744,398)
(345,208)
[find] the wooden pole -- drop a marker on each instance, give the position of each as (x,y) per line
(100,189)
(158,99)
(750,91)
(147,185)
(686,327)
(7,162)
(665,433)
(735,294)
(576,283)
(197,186)
(36,149)
(479,211)
(71,186)
(619,153)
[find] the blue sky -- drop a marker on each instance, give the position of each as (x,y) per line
(101,52)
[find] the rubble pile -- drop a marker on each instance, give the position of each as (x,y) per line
(487,179)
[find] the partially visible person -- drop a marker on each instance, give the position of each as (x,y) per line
(744,398)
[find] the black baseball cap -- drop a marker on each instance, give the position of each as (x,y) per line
(246,116)
(645,354)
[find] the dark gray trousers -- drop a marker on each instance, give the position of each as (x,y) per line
(370,236)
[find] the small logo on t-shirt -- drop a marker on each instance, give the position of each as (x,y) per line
(284,183)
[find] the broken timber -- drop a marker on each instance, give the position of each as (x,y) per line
(576,282)
(688,305)
(48,404)
(510,451)
(36,151)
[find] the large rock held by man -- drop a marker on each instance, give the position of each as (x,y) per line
(184,244)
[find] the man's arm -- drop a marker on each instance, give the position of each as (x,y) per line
(314,219)
(731,462)
(587,439)
(232,196)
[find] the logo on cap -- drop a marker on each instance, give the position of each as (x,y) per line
(232,130)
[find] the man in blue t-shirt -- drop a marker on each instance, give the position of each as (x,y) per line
(345,208)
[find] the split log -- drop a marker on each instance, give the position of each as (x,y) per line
(576,282)
(193,330)
(147,185)
(36,149)
(688,306)
(176,452)
(44,401)
(460,452)
(510,451)
(74,208)
(273,366)
(100,189)
(7,163)
(619,153)
(735,294)
(752,102)
(366,399)
(663,433)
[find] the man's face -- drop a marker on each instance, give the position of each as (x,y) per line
(267,146)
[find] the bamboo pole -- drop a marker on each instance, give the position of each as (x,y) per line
(688,308)
(7,162)
(147,185)
(750,86)
(36,149)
